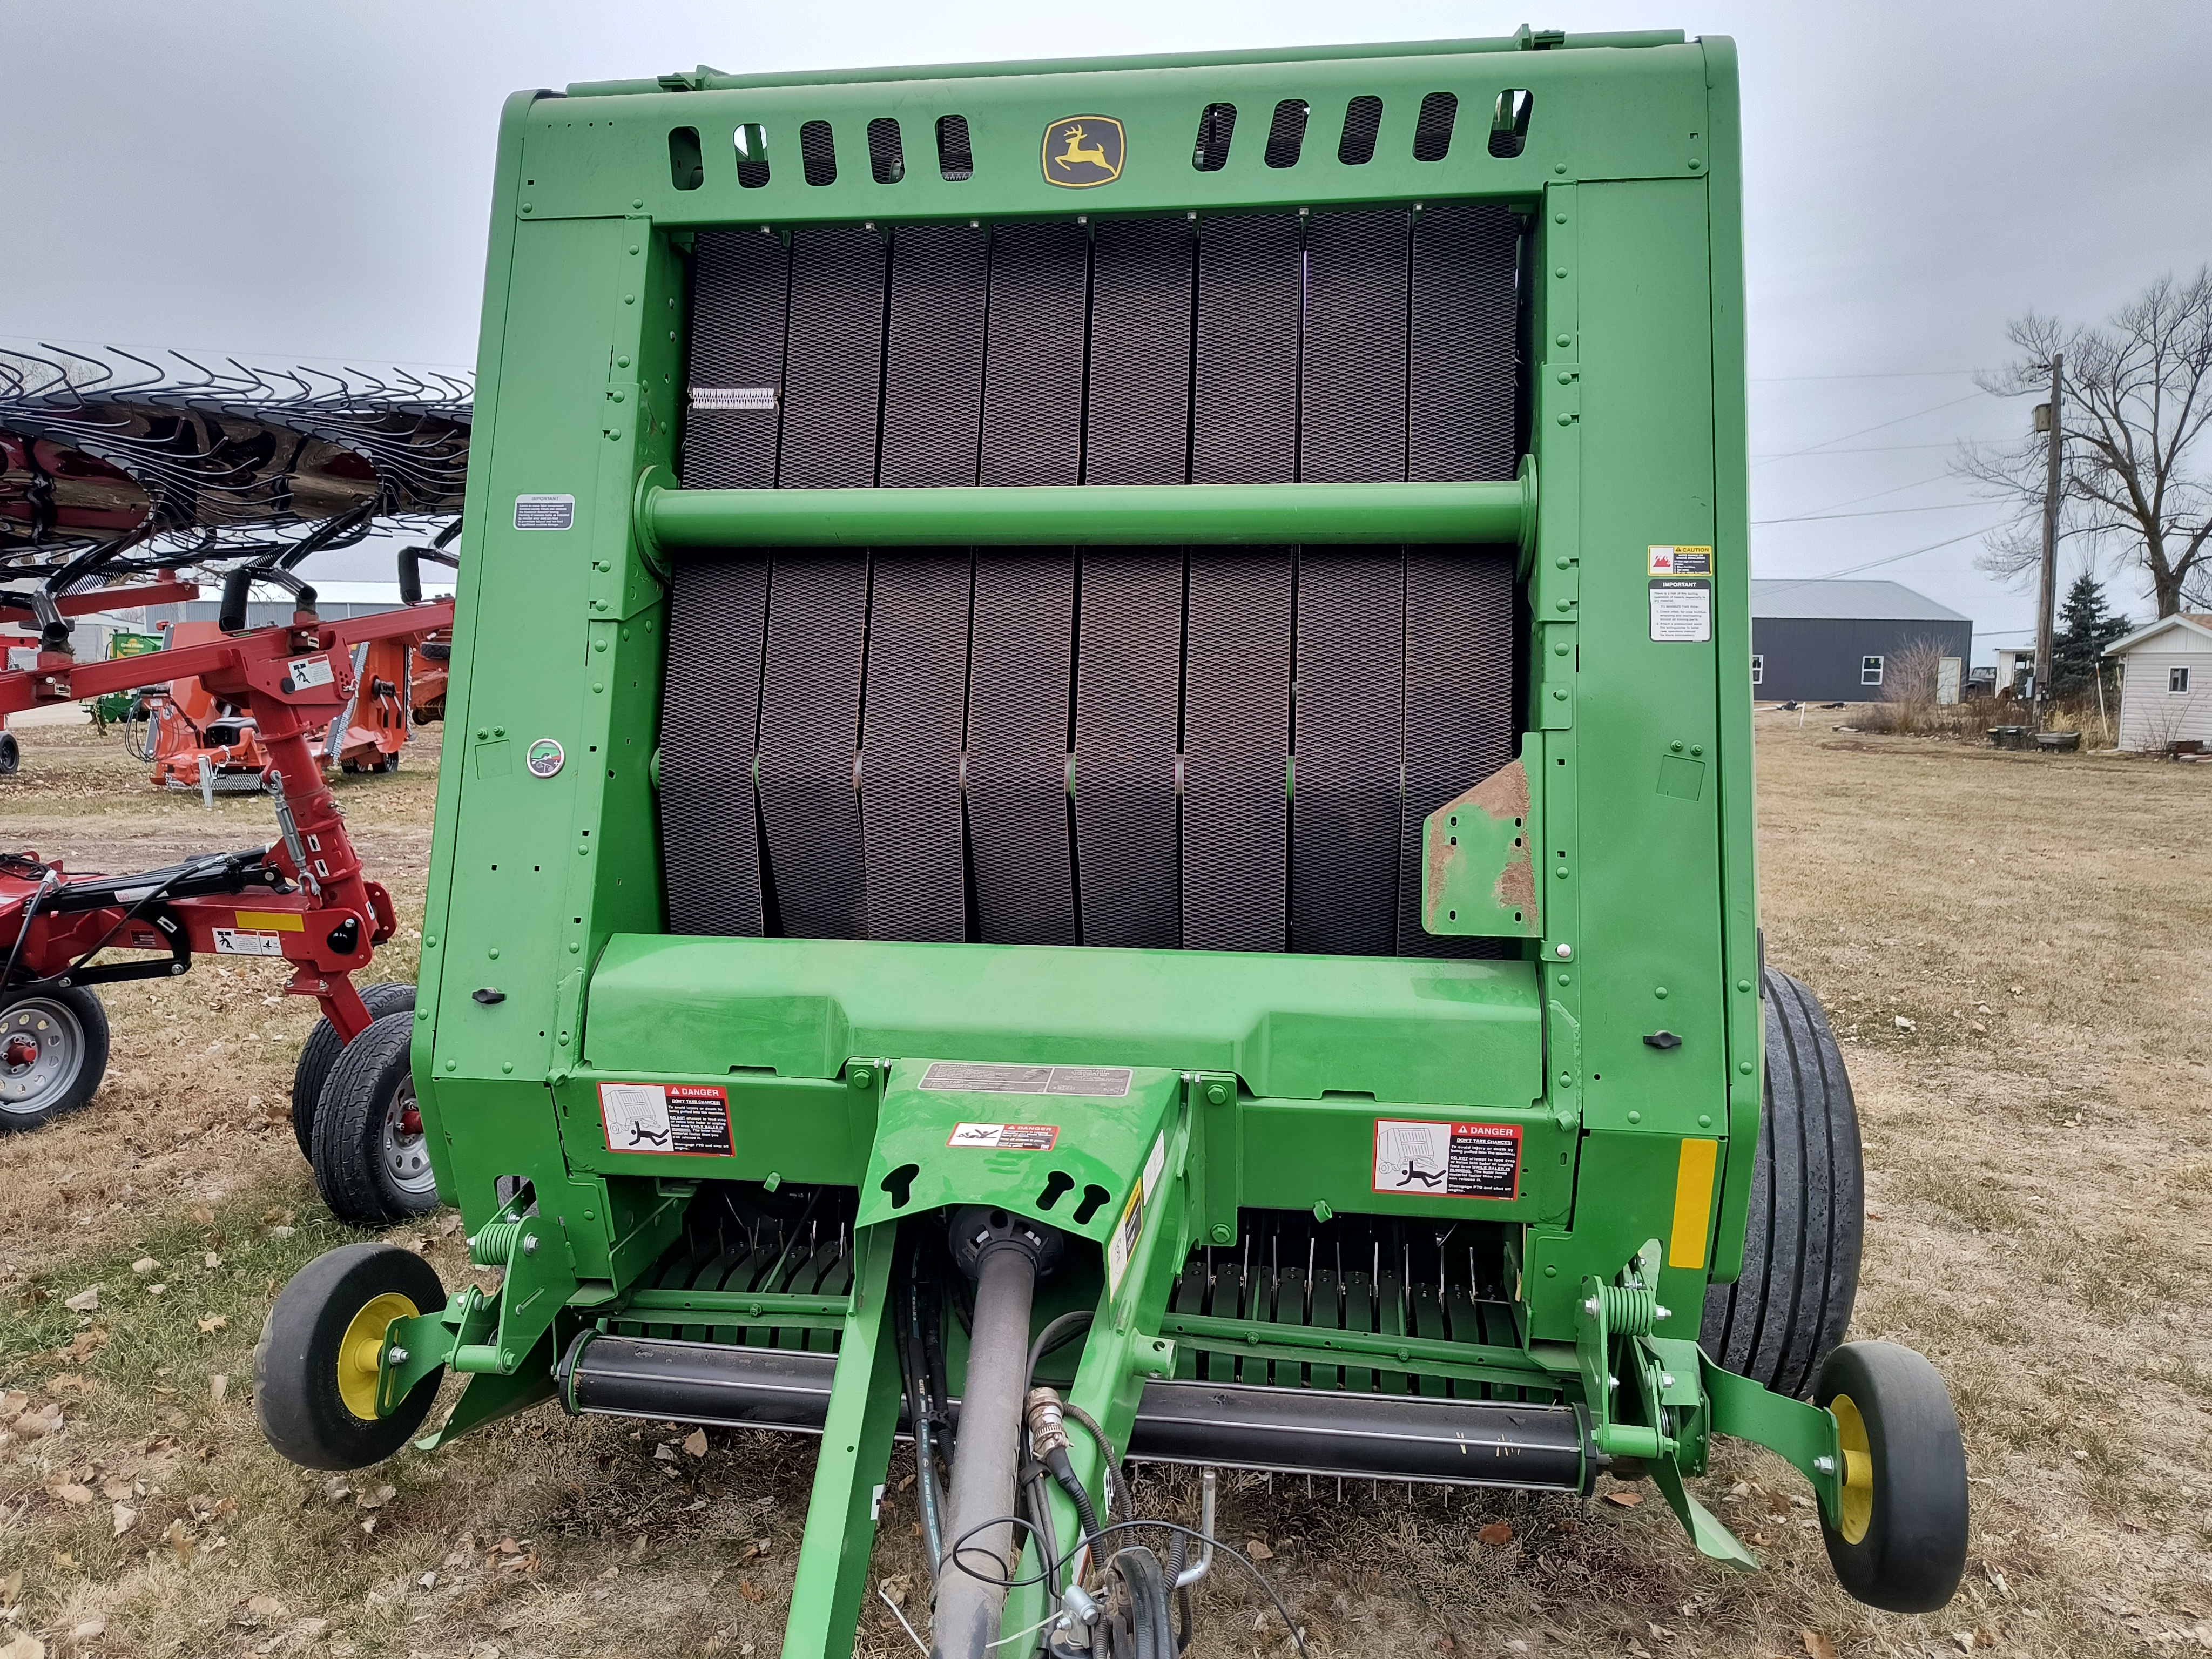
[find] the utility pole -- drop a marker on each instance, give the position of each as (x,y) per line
(2048,602)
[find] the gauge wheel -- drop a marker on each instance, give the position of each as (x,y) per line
(53,1053)
(320,1052)
(1898,1540)
(315,1369)
(372,1156)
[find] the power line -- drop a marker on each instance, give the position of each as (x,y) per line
(1891,375)
(1871,513)
(1867,449)
(1852,570)
(1878,426)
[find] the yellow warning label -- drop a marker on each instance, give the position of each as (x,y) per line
(273,921)
(1693,1203)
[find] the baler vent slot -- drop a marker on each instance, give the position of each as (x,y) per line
(750,141)
(886,152)
(1508,123)
(1287,133)
(1432,128)
(956,161)
(817,153)
(1216,125)
(1362,119)
(685,169)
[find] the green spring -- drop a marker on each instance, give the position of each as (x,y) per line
(1627,1311)
(493,1246)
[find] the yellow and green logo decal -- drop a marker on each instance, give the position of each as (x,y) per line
(1083,151)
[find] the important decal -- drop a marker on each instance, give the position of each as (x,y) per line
(1447,1160)
(545,512)
(1682,612)
(692,1118)
(303,673)
(230,942)
(1005,1137)
(954,1077)
(1083,151)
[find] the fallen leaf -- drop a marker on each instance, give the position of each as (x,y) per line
(210,1261)
(1497,1532)
(1258,1551)
(1758,1541)
(894,1589)
(217,1388)
(11,1589)
(156,1290)
(69,1492)
(696,1443)
(125,1518)
(115,1488)
(90,1630)
(760,1546)
(1627,1500)
(203,1215)
(369,1527)
(212,1323)
(83,1301)
(1965,1638)
(748,1590)
(36,1425)
(178,1541)
(309,1629)
(665,1453)
(144,1264)
(377,1498)
(1817,1646)
(334,1489)
(26,1646)
(507,1546)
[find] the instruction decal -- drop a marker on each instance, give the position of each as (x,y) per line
(545,512)
(1682,612)
(1005,1137)
(305,673)
(953,1076)
(1122,1244)
(692,1118)
(1447,1160)
(231,942)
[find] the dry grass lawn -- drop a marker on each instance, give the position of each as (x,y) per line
(2015,950)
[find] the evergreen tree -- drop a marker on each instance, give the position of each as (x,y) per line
(2085,629)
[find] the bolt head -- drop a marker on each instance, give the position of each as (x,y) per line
(1589,1306)
(397,1356)
(1826,1465)
(1224,1234)
(1662,1313)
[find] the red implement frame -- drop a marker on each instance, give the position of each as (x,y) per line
(303,898)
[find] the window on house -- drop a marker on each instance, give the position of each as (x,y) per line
(1869,671)
(1758,670)
(2177,679)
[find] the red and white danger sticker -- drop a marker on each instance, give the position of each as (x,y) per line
(1005,1137)
(1447,1160)
(666,1117)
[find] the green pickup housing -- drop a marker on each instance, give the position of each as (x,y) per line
(1614,859)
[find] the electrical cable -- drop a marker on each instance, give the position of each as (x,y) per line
(1056,1335)
(1120,1497)
(1296,1636)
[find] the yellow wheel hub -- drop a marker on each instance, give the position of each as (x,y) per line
(1855,1512)
(360,1351)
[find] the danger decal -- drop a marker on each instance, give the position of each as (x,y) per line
(1418,1159)
(690,1118)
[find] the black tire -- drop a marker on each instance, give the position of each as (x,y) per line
(371,1169)
(1792,1303)
(304,1367)
(437,650)
(1909,1515)
(320,1052)
(53,1053)
(11,754)
(1137,1607)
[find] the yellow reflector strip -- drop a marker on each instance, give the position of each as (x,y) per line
(273,921)
(1693,1203)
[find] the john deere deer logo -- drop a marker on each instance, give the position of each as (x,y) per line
(1083,150)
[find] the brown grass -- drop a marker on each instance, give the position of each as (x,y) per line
(2041,1196)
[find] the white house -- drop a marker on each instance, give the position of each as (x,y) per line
(2166,683)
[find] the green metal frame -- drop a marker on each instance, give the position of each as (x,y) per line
(1619,850)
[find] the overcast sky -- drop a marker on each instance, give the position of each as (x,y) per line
(313,181)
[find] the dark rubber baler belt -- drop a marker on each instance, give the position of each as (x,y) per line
(739,285)
(1343,811)
(1033,360)
(1244,400)
(809,726)
(933,356)
(1020,656)
(911,728)
(1235,743)
(1137,412)
(1459,705)
(833,373)
(1462,345)
(1127,669)
(718,605)
(1352,390)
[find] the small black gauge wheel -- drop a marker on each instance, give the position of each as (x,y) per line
(316,1368)
(1899,1542)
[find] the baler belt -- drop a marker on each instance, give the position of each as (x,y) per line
(1244,377)
(1458,703)
(1236,747)
(1463,340)
(709,823)
(810,728)
(1020,653)
(1352,419)
(1137,429)
(1128,692)
(933,356)
(1033,374)
(1344,808)
(912,728)
(741,283)
(833,372)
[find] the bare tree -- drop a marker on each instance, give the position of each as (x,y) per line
(2137,394)
(1911,673)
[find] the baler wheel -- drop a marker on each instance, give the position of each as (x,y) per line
(315,1368)
(1792,1302)
(372,1157)
(53,1053)
(320,1052)
(1901,1543)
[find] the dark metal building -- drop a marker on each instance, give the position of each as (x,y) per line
(1834,641)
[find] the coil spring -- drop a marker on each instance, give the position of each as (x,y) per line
(493,1246)
(1627,1309)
